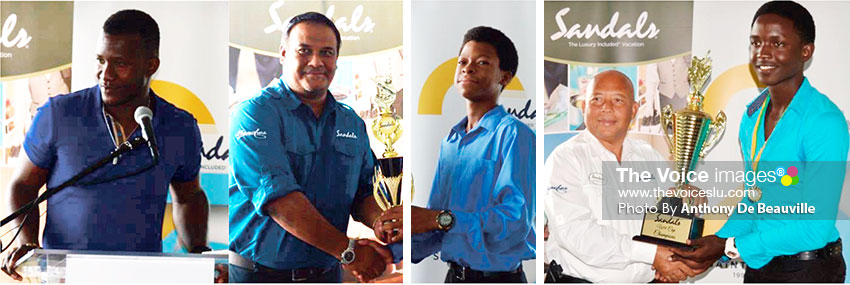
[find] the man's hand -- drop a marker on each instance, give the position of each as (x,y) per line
(221,273)
(423,220)
(12,257)
(369,263)
(26,181)
(388,227)
(668,271)
(708,250)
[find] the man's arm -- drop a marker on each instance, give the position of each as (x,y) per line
(365,209)
(299,217)
(191,211)
(368,211)
(24,188)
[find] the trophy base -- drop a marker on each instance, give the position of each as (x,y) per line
(664,242)
(670,230)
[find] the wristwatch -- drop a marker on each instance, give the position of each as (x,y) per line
(347,256)
(445,220)
(731,251)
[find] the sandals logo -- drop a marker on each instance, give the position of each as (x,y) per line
(609,30)
(344,24)
(21,40)
(35,37)
(364,26)
(617,32)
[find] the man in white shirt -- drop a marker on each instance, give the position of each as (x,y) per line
(586,247)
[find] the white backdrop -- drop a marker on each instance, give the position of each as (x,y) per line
(437,29)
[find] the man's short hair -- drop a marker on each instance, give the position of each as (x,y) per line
(312,17)
(135,22)
(505,49)
(803,21)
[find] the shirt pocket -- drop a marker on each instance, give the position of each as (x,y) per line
(346,160)
(300,161)
(593,195)
(475,186)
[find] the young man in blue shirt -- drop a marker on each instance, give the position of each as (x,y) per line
(301,165)
(790,123)
(72,131)
(481,211)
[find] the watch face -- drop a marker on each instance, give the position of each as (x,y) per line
(445,219)
(348,256)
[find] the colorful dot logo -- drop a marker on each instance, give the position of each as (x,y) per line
(788,177)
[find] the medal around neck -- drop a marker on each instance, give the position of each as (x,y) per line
(690,133)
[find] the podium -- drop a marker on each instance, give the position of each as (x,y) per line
(81,266)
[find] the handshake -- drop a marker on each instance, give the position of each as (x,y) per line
(372,258)
(674,265)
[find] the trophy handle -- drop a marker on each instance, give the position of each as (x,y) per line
(667,123)
(718,126)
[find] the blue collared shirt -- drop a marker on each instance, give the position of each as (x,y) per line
(486,178)
(69,133)
(277,145)
(811,136)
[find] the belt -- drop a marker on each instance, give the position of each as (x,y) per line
(462,273)
(833,248)
(298,274)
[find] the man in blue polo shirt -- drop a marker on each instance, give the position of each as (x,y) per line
(301,165)
(481,211)
(793,129)
(71,132)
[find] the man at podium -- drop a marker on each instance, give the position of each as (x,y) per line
(114,208)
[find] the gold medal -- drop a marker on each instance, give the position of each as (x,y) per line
(754,193)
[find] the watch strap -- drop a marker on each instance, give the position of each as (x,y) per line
(350,249)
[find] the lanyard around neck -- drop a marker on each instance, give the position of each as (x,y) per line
(753,156)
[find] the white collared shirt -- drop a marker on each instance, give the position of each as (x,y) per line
(581,241)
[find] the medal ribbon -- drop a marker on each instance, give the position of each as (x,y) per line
(753,157)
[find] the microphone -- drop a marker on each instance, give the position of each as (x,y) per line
(143,116)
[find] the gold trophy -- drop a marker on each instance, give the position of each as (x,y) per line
(693,134)
(387,128)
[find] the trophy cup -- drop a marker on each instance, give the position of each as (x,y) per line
(387,128)
(693,133)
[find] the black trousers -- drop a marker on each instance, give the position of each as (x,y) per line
(479,277)
(263,275)
(829,269)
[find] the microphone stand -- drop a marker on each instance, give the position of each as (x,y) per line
(121,149)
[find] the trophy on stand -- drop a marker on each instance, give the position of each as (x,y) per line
(693,133)
(387,129)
